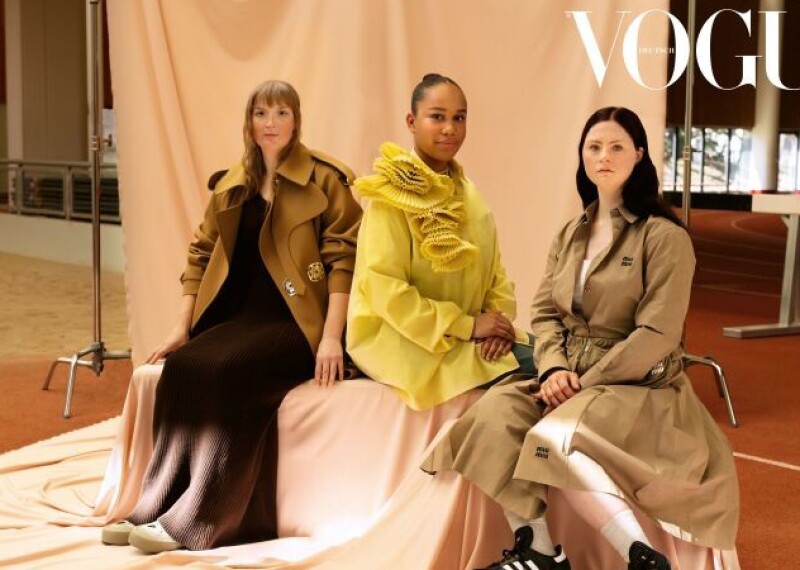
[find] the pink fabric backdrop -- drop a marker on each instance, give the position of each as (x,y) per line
(181,70)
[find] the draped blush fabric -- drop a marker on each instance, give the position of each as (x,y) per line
(182,69)
(406,517)
(319,494)
(335,513)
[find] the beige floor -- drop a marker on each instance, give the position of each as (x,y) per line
(46,308)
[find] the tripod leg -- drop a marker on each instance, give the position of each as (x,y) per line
(70,385)
(47,380)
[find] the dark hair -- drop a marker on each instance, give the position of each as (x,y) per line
(429,80)
(640,192)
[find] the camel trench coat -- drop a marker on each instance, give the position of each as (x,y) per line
(636,429)
(315,221)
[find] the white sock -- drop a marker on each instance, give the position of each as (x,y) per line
(622,531)
(541,533)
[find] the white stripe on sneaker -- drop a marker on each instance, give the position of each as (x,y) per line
(518,566)
(531,565)
(561,557)
(507,567)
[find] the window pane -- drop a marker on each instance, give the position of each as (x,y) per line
(110,135)
(679,163)
(669,159)
(697,160)
(740,160)
(43,190)
(716,154)
(787,162)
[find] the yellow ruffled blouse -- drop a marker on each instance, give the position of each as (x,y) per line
(427,263)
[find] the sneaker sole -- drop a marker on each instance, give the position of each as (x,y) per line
(149,546)
(115,537)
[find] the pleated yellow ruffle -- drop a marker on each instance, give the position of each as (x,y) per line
(404,181)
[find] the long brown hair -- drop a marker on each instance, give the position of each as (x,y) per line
(272,92)
(640,192)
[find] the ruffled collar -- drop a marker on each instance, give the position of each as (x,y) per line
(430,200)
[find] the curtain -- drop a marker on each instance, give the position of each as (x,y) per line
(182,70)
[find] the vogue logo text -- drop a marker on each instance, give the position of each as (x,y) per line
(630,48)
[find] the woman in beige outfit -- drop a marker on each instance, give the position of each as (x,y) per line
(622,426)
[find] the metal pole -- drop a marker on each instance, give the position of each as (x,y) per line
(96,153)
(689,359)
(97,349)
(687,125)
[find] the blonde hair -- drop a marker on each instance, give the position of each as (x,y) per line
(272,92)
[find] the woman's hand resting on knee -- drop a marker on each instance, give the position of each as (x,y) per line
(330,362)
(176,339)
(559,387)
(179,335)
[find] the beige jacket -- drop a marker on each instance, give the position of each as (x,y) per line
(636,292)
(636,428)
(315,222)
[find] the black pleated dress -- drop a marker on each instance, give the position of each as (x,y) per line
(212,477)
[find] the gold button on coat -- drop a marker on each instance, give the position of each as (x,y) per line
(316,272)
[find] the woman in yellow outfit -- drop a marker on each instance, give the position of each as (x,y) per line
(431,306)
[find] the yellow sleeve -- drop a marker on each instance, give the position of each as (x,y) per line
(547,327)
(500,296)
(669,269)
(205,237)
(384,250)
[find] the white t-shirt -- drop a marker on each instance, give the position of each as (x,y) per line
(577,296)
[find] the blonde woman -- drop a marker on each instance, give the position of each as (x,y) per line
(265,295)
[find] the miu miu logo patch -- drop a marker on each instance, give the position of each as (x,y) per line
(542,452)
(627,261)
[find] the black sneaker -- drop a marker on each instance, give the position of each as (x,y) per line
(642,557)
(523,557)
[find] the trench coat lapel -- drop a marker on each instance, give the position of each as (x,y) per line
(577,250)
(620,218)
(576,254)
(296,201)
(228,225)
(294,206)
(228,217)
(617,224)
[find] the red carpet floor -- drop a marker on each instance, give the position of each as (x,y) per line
(738,282)
(29,414)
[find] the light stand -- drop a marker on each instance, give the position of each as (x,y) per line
(690,359)
(97,350)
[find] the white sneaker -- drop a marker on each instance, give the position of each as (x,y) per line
(151,538)
(117,533)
